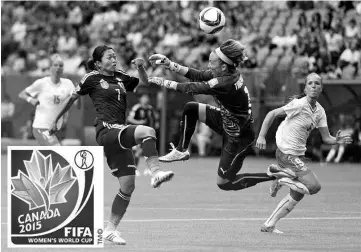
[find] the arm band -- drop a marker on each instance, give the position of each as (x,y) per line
(178,68)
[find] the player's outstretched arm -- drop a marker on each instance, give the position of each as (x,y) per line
(72,99)
(270,117)
(139,63)
(190,73)
(339,139)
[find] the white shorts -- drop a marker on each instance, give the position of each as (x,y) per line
(44,139)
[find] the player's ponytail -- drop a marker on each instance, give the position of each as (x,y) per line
(234,51)
(91,64)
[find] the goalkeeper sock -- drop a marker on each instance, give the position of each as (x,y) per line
(245,180)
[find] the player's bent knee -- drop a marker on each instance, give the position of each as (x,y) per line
(143,132)
(128,189)
(148,132)
(314,188)
(191,106)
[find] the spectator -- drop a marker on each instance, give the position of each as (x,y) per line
(251,62)
(350,56)
(351,29)
(7,113)
(327,21)
(334,43)
(67,41)
(19,29)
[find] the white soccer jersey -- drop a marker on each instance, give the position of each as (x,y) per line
(52,98)
(301,119)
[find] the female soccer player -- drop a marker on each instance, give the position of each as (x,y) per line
(49,95)
(302,116)
(233,119)
(107,88)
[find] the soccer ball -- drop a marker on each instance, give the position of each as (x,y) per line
(211,20)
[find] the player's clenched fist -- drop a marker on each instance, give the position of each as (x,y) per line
(261,143)
(159,59)
(138,62)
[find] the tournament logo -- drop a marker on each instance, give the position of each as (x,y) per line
(52,201)
(104,84)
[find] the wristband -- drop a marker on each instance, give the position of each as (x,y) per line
(178,68)
(170,84)
(29,99)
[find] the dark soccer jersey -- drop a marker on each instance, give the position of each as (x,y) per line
(230,93)
(108,94)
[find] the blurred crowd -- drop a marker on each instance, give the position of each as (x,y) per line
(33,30)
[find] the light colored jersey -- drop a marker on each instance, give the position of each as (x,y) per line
(52,98)
(301,119)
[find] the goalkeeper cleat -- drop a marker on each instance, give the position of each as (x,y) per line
(161,177)
(114,237)
(274,188)
(271,229)
(175,155)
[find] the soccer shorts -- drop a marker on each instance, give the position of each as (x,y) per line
(44,139)
(291,164)
(118,140)
(234,149)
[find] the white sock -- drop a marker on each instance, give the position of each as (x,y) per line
(284,207)
(295,185)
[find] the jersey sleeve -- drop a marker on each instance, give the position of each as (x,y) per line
(197,75)
(211,87)
(85,86)
(323,120)
(292,108)
(130,82)
(34,89)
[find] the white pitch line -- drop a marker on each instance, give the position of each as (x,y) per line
(238,219)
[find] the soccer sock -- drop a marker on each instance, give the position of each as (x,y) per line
(284,207)
(187,125)
(151,154)
(245,180)
(294,185)
(120,205)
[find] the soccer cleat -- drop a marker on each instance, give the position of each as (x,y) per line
(114,236)
(275,186)
(161,177)
(175,155)
(274,170)
(271,229)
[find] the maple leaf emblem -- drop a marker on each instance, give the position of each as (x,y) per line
(42,185)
